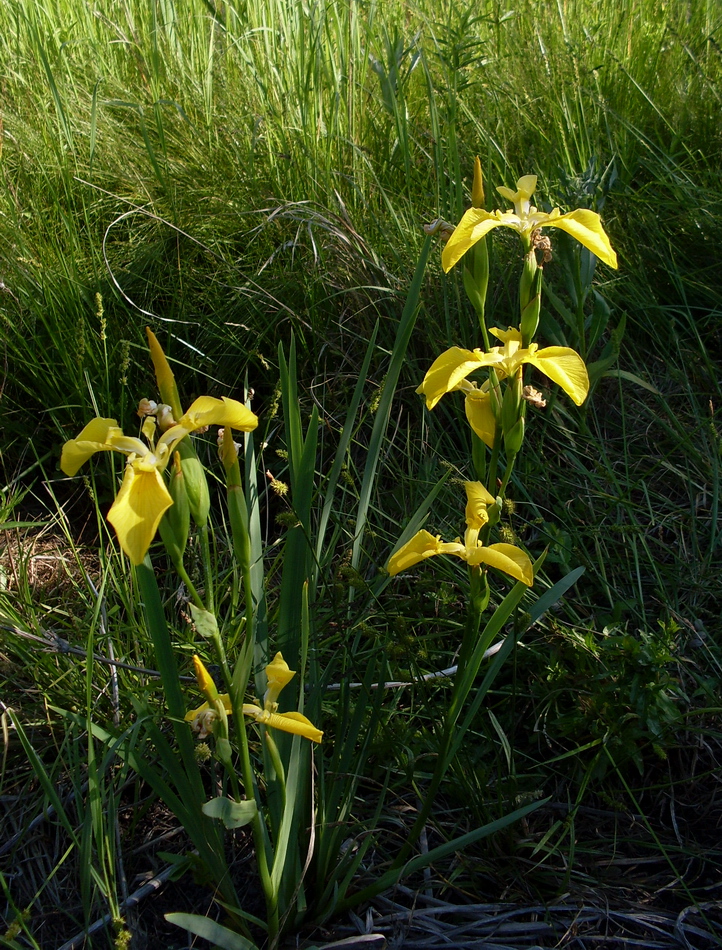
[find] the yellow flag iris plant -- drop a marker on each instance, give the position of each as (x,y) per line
(560,363)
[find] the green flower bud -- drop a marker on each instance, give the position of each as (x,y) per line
(531,309)
(196,485)
(175,524)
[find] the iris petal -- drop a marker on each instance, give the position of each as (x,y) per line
(507,558)
(565,367)
(477,501)
(295,723)
(481,416)
(474,225)
(94,438)
(422,545)
(586,227)
(137,510)
(447,371)
(208,411)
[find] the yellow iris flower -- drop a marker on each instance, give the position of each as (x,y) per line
(449,371)
(504,557)
(278,674)
(583,225)
(143,497)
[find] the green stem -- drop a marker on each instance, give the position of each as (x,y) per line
(494,463)
(164,653)
(478,600)
(277,767)
(183,574)
(260,836)
(238,514)
(207,567)
(484,332)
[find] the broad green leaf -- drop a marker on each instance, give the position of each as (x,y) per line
(211,930)
(205,621)
(232,814)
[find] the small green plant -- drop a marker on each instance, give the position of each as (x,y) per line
(616,689)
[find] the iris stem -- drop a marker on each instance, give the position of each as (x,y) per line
(260,836)
(478,601)
(207,567)
(183,574)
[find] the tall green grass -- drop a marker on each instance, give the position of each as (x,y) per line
(276,160)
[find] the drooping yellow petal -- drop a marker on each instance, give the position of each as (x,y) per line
(504,557)
(422,545)
(138,508)
(481,416)
(565,367)
(447,371)
(195,713)
(94,438)
(292,722)
(586,227)
(477,501)
(297,724)
(207,411)
(474,225)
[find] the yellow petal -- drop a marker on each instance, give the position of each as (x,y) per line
(422,545)
(509,336)
(480,416)
(278,675)
(208,411)
(565,367)
(205,681)
(163,374)
(586,227)
(137,510)
(447,371)
(292,722)
(474,225)
(295,723)
(278,672)
(507,558)
(525,188)
(193,713)
(477,499)
(94,438)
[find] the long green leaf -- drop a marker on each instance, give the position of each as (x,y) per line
(211,930)
(383,413)
(421,861)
